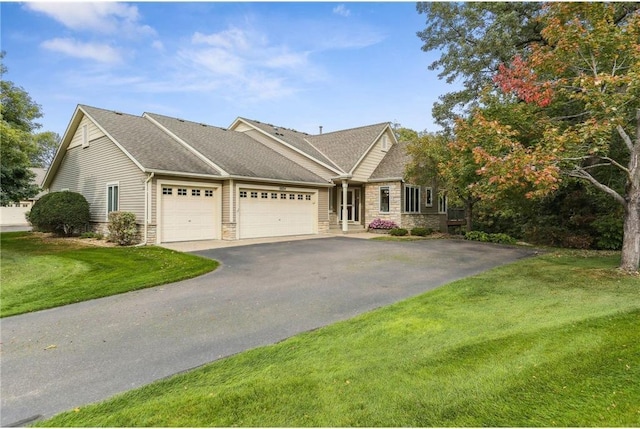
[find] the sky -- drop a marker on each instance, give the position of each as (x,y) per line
(296,65)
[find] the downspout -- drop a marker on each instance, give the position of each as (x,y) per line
(345,223)
(146,206)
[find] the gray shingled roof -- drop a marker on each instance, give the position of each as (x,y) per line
(346,147)
(147,144)
(235,152)
(295,138)
(393,164)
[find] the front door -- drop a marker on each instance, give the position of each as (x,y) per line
(353,205)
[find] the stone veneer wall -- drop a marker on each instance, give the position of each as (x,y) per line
(228,230)
(433,221)
(372,201)
(323,227)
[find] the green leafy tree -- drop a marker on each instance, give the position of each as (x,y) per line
(18,113)
(583,84)
(474,38)
(46,146)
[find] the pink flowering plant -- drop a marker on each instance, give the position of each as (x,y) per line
(382,224)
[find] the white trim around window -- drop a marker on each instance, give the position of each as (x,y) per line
(428,196)
(384,199)
(442,203)
(113,197)
(411,199)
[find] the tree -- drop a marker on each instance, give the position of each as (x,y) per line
(474,38)
(46,145)
(17,115)
(583,83)
(435,159)
(60,212)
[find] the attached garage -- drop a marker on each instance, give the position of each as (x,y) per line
(189,213)
(271,213)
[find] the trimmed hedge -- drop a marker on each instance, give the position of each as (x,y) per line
(60,212)
(398,232)
(122,228)
(421,232)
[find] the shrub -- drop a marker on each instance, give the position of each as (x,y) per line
(398,232)
(60,213)
(382,224)
(609,232)
(489,238)
(122,228)
(421,232)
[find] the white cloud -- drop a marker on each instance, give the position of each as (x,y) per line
(157,45)
(95,51)
(99,17)
(341,10)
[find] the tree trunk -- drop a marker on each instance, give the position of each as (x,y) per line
(631,241)
(468,214)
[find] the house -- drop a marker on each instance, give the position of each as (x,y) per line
(14,214)
(191,181)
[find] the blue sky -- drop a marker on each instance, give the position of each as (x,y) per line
(297,65)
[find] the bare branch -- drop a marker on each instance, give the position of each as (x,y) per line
(625,137)
(582,174)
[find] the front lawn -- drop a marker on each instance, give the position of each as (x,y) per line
(546,341)
(38,274)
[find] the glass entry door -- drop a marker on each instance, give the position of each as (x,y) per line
(353,205)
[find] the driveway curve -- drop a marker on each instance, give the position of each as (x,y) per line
(63,358)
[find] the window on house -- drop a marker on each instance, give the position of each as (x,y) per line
(167,191)
(442,203)
(113,197)
(195,192)
(307,197)
(243,194)
(331,197)
(411,199)
(384,199)
(208,193)
(274,195)
(254,195)
(264,195)
(428,198)
(182,191)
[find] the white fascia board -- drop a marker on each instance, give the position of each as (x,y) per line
(186,145)
(373,143)
(386,179)
(184,174)
(281,181)
(284,143)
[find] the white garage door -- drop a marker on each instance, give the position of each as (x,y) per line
(271,214)
(188,213)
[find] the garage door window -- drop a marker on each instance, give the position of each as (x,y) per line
(182,191)
(208,193)
(264,195)
(195,192)
(167,191)
(274,195)
(243,194)
(254,195)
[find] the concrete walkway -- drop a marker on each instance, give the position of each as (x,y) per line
(59,359)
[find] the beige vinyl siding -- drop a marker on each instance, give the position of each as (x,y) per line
(323,205)
(371,160)
(93,133)
(227,189)
(296,157)
(88,170)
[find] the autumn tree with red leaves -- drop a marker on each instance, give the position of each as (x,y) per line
(583,83)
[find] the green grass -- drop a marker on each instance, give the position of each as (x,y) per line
(38,274)
(547,341)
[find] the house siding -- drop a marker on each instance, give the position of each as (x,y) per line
(93,133)
(87,170)
(371,161)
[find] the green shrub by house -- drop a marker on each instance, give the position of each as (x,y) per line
(122,228)
(60,212)
(421,232)
(398,232)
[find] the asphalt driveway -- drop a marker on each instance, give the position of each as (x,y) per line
(60,359)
